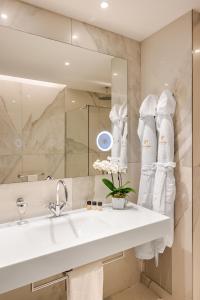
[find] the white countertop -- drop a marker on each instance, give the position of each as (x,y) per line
(47,246)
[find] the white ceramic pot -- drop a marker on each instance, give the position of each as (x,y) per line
(118,203)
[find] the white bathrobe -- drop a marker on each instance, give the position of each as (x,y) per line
(124,140)
(148,139)
(118,117)
(165,190)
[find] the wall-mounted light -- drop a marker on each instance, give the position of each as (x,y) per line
(197,51)
(115,74)
(4,16)
(104,4)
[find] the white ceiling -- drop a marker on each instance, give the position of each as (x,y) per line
(133,18)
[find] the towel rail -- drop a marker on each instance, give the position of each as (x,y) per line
(45,285)
(115,258)
(65,277)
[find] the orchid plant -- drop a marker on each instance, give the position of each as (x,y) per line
(113,167)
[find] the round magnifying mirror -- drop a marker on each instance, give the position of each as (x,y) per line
(104,141)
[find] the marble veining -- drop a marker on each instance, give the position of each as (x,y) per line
(167,63)
(82,188)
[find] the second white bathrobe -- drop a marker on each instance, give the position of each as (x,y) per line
(165,190)
(148,139)
(118,117)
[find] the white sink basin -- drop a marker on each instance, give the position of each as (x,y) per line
(46,246)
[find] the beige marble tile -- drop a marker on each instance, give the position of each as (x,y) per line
(164,279)
(196,230)
(28,18)
(10,168)
(81,37)
(121,274)
(134,177)
(137,292)
(119,81)
(196,156)
(166,62)
(82,191)
(182,258)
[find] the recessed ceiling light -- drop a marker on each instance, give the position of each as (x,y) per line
(75,37)
(104,4)
(67,63)
(115,74)
(4,16)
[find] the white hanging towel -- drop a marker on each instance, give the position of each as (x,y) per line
(118,117)
(148,140)
(116,130)
(165,190)
(123,153)
(86,283)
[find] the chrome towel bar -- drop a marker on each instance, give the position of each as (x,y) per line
(65,277)
(45,285)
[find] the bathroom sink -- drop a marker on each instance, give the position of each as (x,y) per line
(47,245)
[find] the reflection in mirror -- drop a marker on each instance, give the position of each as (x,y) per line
(55,99)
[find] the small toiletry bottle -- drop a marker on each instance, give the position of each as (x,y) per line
(94,204)
(100,205)
(89,205)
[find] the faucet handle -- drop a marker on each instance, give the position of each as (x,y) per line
(62,205)
(20,202)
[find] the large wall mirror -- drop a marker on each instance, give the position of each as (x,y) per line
(56,103)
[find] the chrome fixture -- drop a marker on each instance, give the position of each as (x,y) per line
(57,207)
(49,177)
(21,205)
(65,275)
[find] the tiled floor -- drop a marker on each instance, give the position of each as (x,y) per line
(137,292)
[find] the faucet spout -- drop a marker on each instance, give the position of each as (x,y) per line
(57,207)
(61,183)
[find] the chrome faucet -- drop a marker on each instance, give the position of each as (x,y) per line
(57,207)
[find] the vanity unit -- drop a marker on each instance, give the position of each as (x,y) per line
(45,246)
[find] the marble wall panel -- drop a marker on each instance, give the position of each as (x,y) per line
(196,156)
(34,20)
(119,81)
(166,62)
